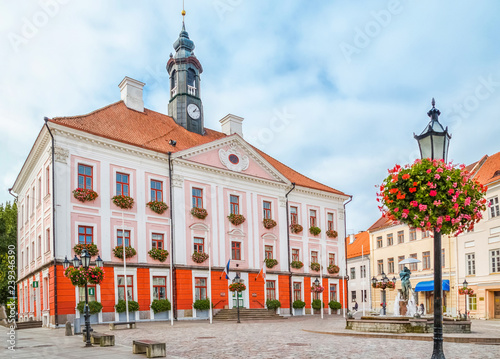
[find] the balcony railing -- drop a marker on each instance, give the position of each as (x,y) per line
(173,92)
(192,90)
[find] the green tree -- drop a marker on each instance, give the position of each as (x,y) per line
(8,238)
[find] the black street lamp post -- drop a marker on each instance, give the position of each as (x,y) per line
(465,284)
(84,261)
(433,143)
(384,294)
(237,280)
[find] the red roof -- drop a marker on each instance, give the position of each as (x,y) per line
(361,241)
(382,222)
(152,130)
(486,170)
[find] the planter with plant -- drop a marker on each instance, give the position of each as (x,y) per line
(158,254)
(316,304)
(273,304)
(124,202)
(315,266)
(129,252)
(333,269)
(120,307)
(200,213)
(296,264)
(94,307)
(271,262)
(269,223)
(296,228)
(199,257)
(90,247)
(331,233)
(202,304)
(160,305)
(314,230)
(236,219)
(85,195)
(334,305)
(298,304)
(157,206)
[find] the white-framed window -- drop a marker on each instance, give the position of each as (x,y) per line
(495,260)
(470,258)
(353,273)
(364,297)
(472,302)
(494,207)
(362,271)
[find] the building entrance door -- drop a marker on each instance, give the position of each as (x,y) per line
(496,300)
(240,297)
(429,302)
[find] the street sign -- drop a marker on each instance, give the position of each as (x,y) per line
(35,284)
(91,291)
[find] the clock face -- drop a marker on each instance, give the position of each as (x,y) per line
(193,111)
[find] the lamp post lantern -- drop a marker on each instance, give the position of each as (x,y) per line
(237,280)
(84,261)
(433,143)
(465,284)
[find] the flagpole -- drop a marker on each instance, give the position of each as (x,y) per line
(321,276)
(125,267)
(210,279)
(363,282)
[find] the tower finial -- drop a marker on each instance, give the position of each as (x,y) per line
(433,102)
(183,12)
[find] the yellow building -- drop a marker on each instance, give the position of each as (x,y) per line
(479,250)
(390,243)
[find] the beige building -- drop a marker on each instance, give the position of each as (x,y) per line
(390,243)
(479,250)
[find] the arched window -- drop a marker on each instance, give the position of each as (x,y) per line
(173,84)
(191,82)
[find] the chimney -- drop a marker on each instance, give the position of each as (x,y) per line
(232,124)
(131,93)
(351,238)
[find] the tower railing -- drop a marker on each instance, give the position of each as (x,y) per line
(191,90)
(173,92)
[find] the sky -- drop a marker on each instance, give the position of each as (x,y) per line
(333,89)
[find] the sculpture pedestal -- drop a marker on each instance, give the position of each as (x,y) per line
(403,307)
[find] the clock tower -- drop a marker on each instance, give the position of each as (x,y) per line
(184,71)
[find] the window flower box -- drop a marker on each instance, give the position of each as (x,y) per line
(199,257)
(296,228)
(333,269)
(315,266)
(314,230)
(269,223)
(236,219)
(124,202)
(200,213)
(85,195)
(271,262)
(90,247)
(158,254)
(237,287)
(129,252)
(157,206)
(296,264)
(331,234)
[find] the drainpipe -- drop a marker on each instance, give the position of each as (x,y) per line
(174,281)
(345,257)
(288,243)
(46,119)
(12,194)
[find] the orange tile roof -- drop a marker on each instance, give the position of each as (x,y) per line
(487,170)
(152,130)
(361,241)
(382,222)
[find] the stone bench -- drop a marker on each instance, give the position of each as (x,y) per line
(130,325)
(104,340)
(151,348)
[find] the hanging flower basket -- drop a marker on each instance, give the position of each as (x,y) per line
(430,194)
(77,276)
(296,228)
(85,195)
(271,262)
(315,266)
(331,234)
(129,252)
(157,206)
(333,269)
(391,285)
(90,247)
(314,230)
(236,219)
(269,223)
(317,288)
(199,257)
(237,287)
(95,275)
(200,213)
(465,291)
(158,254)
(296,264)
(124,202)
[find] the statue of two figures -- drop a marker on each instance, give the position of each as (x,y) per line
(407,305)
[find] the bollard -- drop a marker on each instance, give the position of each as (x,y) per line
(77,326)
(68,332)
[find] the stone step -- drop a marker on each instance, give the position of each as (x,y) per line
(246,314)
(29,324)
